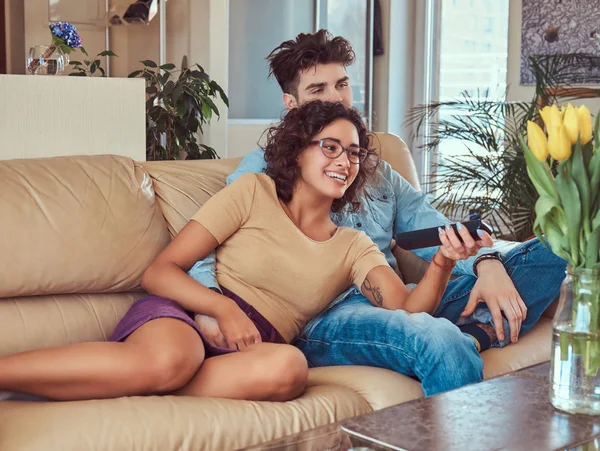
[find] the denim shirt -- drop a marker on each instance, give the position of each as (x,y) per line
(391,205)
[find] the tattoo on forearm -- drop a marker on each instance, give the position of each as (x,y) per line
(377,296)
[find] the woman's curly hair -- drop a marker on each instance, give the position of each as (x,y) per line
(288,139)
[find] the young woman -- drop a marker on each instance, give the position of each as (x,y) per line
(281,261)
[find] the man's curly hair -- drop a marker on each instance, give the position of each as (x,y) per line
(288,139)
(306,51)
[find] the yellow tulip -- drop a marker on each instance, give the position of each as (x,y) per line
(562,112)
(551,117)
(585,124)
(571,123)
(559,144)
(538,143)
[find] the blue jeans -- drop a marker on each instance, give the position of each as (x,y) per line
(432,349)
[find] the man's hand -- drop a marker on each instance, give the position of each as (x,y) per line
(211,331)
(496,289)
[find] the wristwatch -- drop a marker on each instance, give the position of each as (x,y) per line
(482,257)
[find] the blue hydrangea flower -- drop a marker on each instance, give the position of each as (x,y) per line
(66,32)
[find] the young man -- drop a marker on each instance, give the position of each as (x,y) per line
(495,297)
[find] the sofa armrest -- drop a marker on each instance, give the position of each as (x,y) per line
(395,151)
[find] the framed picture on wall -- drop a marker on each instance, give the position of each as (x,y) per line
(562,27)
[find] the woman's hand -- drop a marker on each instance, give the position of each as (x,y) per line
(210,330)
(238,330)
(453,249)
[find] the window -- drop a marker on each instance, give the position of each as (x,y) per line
(256,27)
(473,59)
(348,18)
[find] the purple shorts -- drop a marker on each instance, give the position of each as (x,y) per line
(154,307)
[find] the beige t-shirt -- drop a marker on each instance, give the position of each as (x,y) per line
(267,261)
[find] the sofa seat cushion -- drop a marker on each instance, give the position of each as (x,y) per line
(32,322)
(169,422)
(379,387)
(383,388)
(532,348)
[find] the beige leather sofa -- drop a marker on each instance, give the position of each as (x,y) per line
(76,236)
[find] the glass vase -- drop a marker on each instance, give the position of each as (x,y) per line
(575,362)
(46,60)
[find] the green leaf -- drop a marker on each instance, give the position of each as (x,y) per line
(135,73)
(550,216)
(83,51)
(168,66)
(550,226)
(212,106)
(192,123)
(181,109)
(209,152)
(199,75)
(164,78)
(592,246)
(558,241)
(539,173)
(569,196)
(107,53)
(222,94)
(177,92)
(206,112)
(161,124)
(548,206)
(149,63)
(580,177)
(594,170)
(597,132)
(75,63)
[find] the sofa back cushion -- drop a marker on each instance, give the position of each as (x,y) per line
(182,187)
(85,224)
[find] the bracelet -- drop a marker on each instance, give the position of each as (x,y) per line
(445,267)
(482,257)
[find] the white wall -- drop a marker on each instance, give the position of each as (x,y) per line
(194,29)
(187,22)
(398,73)
(49,116)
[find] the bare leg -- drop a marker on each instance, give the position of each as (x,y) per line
(159,357)
(262,372)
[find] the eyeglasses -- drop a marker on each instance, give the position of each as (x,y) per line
(333,149)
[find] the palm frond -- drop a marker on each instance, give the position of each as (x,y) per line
(490,175)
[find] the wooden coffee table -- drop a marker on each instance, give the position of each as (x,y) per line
(511,412)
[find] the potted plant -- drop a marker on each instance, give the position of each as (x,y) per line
(88,67)
(563,163)
(178,104)
(489,175)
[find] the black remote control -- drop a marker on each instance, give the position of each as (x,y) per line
(418,239)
